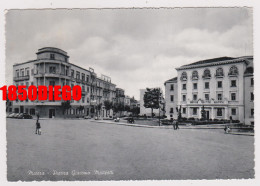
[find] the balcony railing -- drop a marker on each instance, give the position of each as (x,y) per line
(21,78)
(206,76)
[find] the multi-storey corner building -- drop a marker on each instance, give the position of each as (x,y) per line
(171,98)
(52,67)
(223,86)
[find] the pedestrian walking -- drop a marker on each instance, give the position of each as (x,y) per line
(37,115)
(230,118)
(225,129)
(38,128)
(173,123)
(177,125)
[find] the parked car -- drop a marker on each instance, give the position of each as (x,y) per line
(16,115)
(117,119)
(10,115)
(87,117)
(24,116)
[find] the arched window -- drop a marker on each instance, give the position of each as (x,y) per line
(184,76)
(206,73)
(233,71)
(195,75)
(219,72)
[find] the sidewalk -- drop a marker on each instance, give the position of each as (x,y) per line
(170,126)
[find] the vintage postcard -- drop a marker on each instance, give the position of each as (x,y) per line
(117,94)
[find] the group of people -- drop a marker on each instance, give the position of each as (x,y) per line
(175,124)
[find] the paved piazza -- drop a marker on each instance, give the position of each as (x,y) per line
(84,150)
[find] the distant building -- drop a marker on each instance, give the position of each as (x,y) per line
(52,67)
(171,98)
(249,93)
(223,86)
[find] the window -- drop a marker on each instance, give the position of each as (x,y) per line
(183,86)
(252,112)
(219,97)
(183,97)
(219,72)
(52,70)
(22,72)
(52,83)
(172,87)
(17,73)
(206,85)
(83,77)
(219,111)
(172,98)
(234,111)
(219,84)
(195,75)
(233,71)
(233,96)
(194,111)
(252,81)
(233,83)
(184,76)
(83,88)
(83,99)
(77,75)
(195,97)
(87,78)
(195,86)
(72,73)
(184,110)
(252,96)
(171,110)
(27,71)
(52,56)
(206,73)
(207,97)
(88,89)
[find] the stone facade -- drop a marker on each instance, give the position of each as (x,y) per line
(218,85)
(52,67)
(171,98)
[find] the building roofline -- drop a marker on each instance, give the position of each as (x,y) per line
(16,64)
(236,60)
(172,80)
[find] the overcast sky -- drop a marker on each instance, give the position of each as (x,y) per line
(137,48)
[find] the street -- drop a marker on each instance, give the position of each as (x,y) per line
(85,150)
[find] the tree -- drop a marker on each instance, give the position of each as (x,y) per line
(65,106)
(108,105)
(127,108)
(152,98)
(118,107)
(135,110)
(81,108)
(203,113)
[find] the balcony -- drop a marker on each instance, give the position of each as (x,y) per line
(21,78)
(206,76)
(218,101)
(83,92)
(219,75)
(78,80)
(83,81)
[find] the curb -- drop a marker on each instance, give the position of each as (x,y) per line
(165,127)
(244,134)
